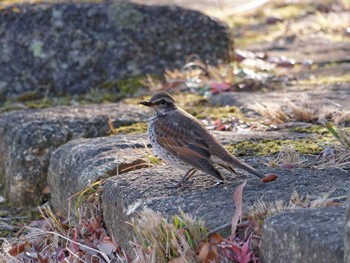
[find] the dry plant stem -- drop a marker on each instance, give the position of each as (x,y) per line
(227,225)
(70,240)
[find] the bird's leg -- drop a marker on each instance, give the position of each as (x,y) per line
(187,176)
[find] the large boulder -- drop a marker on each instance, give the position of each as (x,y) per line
(28,137)
(308,235)
(71,47)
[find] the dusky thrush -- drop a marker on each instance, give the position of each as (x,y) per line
(182,141)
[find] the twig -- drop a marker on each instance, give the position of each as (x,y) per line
(70,240)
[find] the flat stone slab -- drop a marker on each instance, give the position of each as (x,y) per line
(334,95)
(69,48)
(125,195)
(307,235)
(78,163)
(28,137)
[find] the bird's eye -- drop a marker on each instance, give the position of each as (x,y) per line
(162,102)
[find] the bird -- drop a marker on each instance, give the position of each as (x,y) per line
(183,142)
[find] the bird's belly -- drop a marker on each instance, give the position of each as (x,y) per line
(165,155)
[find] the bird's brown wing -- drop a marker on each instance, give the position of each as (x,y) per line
(186,143)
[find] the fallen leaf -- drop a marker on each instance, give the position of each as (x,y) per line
(208,254)
(19,248)
(269,177)
(238,200)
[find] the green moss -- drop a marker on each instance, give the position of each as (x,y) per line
(288,11)
(108,91)
(268,146)
(325,80)
(319,129)
(125,86)
(202,112)
(30,95)
(257,36)
(139,127)
(48,102)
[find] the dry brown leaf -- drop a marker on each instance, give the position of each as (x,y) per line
(269,177)
(19,248)
(215,239)
(208,254)
(238,200)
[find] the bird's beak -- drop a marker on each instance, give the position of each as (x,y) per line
(146,103)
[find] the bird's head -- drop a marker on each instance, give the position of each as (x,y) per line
(161,102)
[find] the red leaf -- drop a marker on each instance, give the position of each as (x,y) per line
(220,87)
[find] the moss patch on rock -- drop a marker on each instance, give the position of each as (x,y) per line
(203,112)
(139,127)
(268,147)
(319,129)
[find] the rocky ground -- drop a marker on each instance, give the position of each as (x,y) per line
(291,74)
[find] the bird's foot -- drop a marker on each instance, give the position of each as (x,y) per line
(219,182)
(180,184)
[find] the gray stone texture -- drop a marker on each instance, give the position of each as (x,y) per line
(28,137)
(124,196)
(77,164)
(308,235)
(72,47)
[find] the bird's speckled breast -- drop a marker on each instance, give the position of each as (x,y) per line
(160,151)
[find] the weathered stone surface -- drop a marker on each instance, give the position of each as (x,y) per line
(347,233)
(314,46)
(320,95)
(308,235)
(72,47)
(125,195)
(77,164)
(27,139)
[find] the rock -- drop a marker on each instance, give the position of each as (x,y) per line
(347,232)
(28,137)
(77,164)
(320,95)
(124,196)
(308,235)
(68,48)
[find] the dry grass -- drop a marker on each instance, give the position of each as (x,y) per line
(206,79)
(273,113)
(157,240)
(287,157)
(78,238)
(260,210)
(302,110)
(336,155)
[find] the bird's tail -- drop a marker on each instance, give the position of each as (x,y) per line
(242,165)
